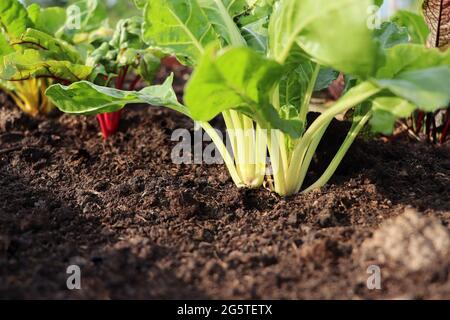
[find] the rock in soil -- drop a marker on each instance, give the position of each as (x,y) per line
(410,240)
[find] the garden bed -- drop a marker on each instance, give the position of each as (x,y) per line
(142,227)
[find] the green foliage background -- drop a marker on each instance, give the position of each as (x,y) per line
(126,8)
(119,8)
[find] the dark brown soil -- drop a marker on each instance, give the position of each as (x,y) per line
(142,227)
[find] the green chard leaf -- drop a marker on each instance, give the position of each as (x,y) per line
(412,77)
(418,75)
(258,10)
(48,20)
(126,49)
(103,54)
(239,79)
(390,34)
(14,18)
(416,25)
(178,27)
(128,34)
(427,88)
(40,64)
(149,65)
(386,111)
(55,48)
(140,4)
(296,79)
(5,48)
(322,28)
(298,76)
(411,57)
(221,13)
(85,98)
(256,35)
(34,11)
(86,16)
(326,77)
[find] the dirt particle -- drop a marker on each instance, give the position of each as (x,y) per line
(101,186)
(326,218)
(213,269)
(204,235)
(80,155)
(5,242)
(123,189)
(30,154)
(183,203)
(293,219)
(79,261)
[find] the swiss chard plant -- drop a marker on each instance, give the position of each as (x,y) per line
(258,63)
(124,54)
(54,45)
(27,92)
(33,54)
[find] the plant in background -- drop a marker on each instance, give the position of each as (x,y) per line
(125,54)
(28,93)
(33,55)
(114,53)
(431,28)
(437,15)
(258,63)
(54,45)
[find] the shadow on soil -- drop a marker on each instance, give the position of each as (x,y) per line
(407,173)
(42,234)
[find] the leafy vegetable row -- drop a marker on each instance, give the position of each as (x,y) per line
(258,63)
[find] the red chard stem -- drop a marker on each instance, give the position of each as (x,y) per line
(135,82)
(103,127)
(428,126)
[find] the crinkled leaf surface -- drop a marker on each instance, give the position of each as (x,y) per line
(14,18)
(39,64)
(179,27)
(256,35)
(5,48)
(54,48)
